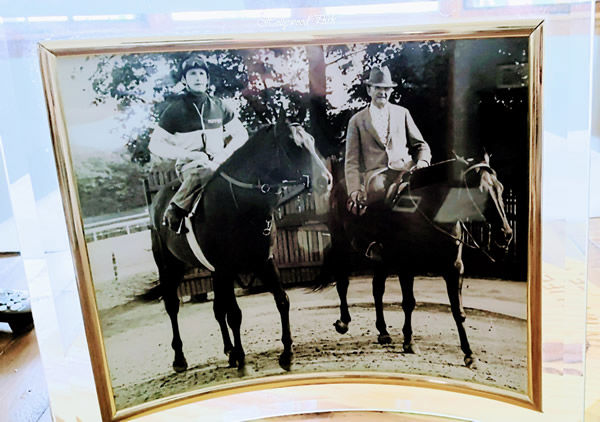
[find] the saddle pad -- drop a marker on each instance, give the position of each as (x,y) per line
(195,246)
(462,204)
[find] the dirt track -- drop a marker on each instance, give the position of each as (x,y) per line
(138,336)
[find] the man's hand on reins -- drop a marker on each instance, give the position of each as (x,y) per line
(357,203)
(419,165)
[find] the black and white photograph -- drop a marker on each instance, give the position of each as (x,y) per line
(357,208)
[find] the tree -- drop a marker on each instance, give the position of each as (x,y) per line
(318,86)
(107,187)
(258,83)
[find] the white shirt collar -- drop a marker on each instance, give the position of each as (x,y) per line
(376,110)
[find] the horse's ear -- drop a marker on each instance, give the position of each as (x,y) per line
(301,114)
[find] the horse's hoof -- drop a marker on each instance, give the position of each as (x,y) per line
(241,362)
(470,362)
(180,366)
(231,358)
(285,360)
(341,327)
(384,339)
(410,348)
(236,360)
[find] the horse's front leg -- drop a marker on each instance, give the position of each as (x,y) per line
(226,308)
(454,286)
(407,282)
(341,285)
(270,276)
(379,278)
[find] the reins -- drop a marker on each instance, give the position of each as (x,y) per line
(300,185)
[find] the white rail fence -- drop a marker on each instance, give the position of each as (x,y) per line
(118,226)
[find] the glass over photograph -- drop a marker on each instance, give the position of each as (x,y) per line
(355,208)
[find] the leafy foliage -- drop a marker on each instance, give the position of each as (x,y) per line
(262,82)
(419,68)
(107,187)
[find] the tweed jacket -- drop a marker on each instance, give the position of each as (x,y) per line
(367,152)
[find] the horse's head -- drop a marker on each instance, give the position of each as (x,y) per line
(297,156)
(485,178)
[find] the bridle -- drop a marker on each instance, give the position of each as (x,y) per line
(304,181)
(297,186)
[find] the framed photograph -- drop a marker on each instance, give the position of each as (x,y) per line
(237,209)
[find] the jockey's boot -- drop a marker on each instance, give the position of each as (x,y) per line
(374,252)
(173,218)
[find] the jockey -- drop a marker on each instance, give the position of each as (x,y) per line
(382,144)
(198,131)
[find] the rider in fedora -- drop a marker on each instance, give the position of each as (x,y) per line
(382,144)
(198,131)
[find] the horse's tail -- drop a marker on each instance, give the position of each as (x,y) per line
(151,294)
(321,283)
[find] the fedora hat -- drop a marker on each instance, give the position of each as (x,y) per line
(380,76)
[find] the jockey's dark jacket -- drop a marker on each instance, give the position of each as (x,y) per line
(181,115)
(191,115)
(200,132)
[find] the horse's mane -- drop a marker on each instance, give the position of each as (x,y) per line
(246,150)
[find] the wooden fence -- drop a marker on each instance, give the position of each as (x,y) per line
(301,237)
(513,265)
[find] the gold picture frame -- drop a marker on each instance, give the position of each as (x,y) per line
(62,87)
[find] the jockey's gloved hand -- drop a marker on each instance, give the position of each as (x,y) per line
(357,202)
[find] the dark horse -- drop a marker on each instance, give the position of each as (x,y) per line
(233,226)
(425,234)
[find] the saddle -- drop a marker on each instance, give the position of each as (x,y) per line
(402,191)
